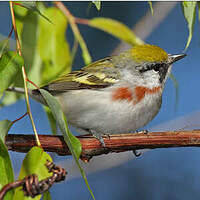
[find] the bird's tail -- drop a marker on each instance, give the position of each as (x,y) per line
(35,94)
(16,89)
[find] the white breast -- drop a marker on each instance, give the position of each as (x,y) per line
(95,110)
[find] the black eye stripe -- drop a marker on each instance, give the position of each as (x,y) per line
(160,68)
(155,67)
(145,68)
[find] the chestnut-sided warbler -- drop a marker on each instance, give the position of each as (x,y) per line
(114,95)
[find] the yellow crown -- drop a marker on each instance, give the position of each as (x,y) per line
(148,53)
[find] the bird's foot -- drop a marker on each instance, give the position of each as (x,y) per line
(137,153)
(143,131)
(99,137)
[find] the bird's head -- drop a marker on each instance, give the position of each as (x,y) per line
(151,64)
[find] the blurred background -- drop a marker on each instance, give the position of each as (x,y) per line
(171,173)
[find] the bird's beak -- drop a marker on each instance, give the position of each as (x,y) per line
(174,58)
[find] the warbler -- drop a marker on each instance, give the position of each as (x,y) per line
(115,95)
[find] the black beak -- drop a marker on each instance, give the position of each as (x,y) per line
(174,58)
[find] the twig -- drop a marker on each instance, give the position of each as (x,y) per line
(21,117)
(114,143)
(31,82)
(32,186)
(24,74)
(77,34)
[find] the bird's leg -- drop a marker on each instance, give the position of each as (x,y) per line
(98,136)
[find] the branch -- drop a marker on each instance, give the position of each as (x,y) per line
(114,143)
(32,186)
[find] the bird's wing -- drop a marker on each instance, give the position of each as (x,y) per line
(99,74)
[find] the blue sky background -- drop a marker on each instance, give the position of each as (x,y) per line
(158,174)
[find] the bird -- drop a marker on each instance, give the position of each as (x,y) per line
(114,95)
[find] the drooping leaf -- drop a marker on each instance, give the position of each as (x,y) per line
(85,53)
(10,43)
(5,126)
(72,142)
(198,9)
(97,4)
(20,15)
(27,4)
(51,119)
(56,110)
(33,163)
(189,11)
(53,46)
(74,51)
(27,28)
(10,65)
(29,38)
(6,170)
(47,196)
(116,29)
(32,6)
(10,98)
(4,46)
(176,86)
(151,7)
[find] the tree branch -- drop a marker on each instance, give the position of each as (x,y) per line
(114,143)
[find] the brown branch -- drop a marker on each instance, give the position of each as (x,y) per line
(31,184)
(114,143)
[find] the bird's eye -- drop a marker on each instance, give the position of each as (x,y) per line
(156,67)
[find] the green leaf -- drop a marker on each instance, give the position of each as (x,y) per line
(176,86)
(198,9)
(10,98)
(4,46)
(97,4)
(20,15)
(72,142)
(28,4)
(33,163)
(10,65)
(27,27)
(11,43)
(6,170)
(85,53)
(116,29)
(189,12)
(58,115)
(47,196)
(32,6)
(29,38)
(151,7)
(5,126)
(74,51)
(53,46)
(51,119)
